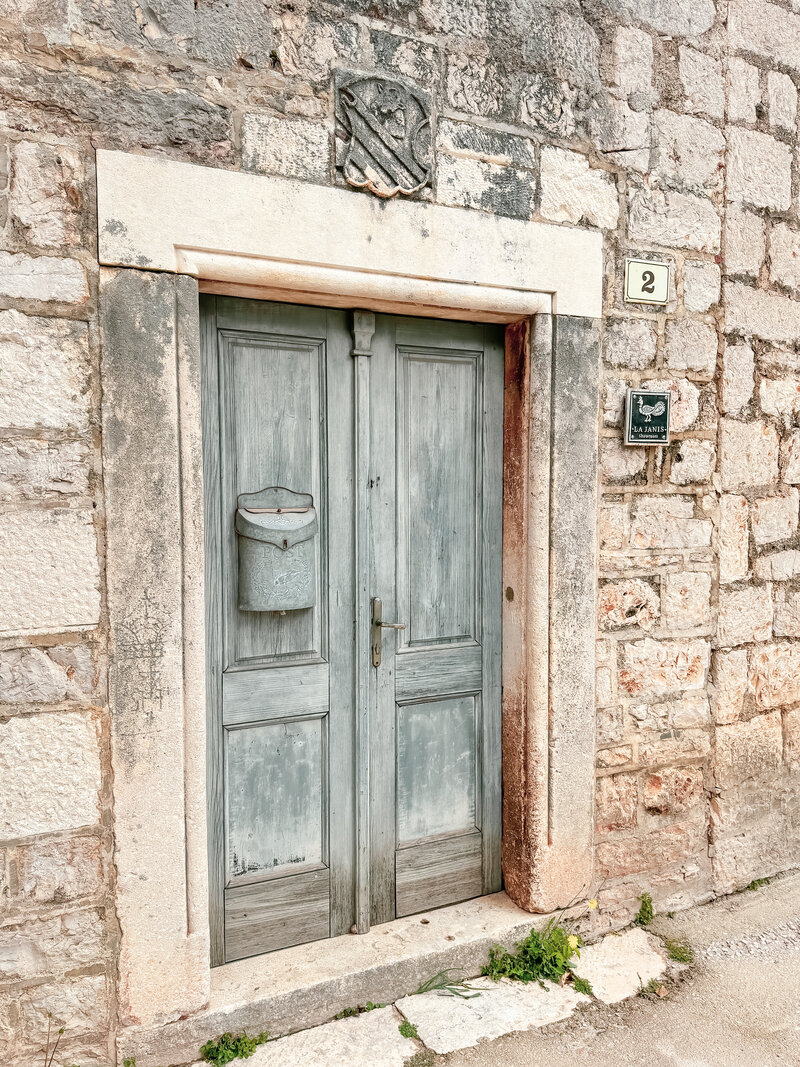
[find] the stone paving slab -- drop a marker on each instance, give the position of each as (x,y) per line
(366,1040)
(448,1023)
(620,964)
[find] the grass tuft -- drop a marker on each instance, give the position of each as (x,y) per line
(408,1030)
(758,883)
(677,950)
(644,916)
(582,985)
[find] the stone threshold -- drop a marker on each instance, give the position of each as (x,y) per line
(302,987)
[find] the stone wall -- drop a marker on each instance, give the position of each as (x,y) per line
(669,124)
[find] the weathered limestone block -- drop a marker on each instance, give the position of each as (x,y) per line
(733,539)
(480,142)
(782,101)
(657,668)
(670,845)
(784,256)
(410,58)
(572,190)
(748,454)
(703,82)
(684,745)
(49,572)
(464,182)
(691,346)
(629,343)
(787,614)
(79,1005)
(736,386)
(685,401)
(53,872)
(50,769)
(676,220)
(613,522)
(688,150)
(774,518)
(678,18)
(614,757)
(791,738)
(614,393)
(46,194)
(562,44)
(30,676)
(759,170)
(693,462)
(778,566)
(616,803)
(610,725)
(748,749)
(632,60)
(30,468)
(701,285)
(745,241)
(775,675)
(668,522)
(766,30)
(620,463)
(688,711)
(744,91)
(293,149)
(621,134)
(745,615)
(43,947)
(630,602)
(234,35)
(548,104)
(754,834)
(730,682)
(477,86)
(674,790)
(686,600)
(790,458)
(24,277)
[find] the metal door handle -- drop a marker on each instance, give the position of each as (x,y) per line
(377,625)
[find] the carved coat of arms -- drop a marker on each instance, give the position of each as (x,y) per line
(386,131)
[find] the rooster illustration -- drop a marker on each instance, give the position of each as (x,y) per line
(648,410)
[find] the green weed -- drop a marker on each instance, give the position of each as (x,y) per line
(359,1009)
(538,956)
(758,883)
(227,1048)
(644,916)
(423,1058)
(408,1030)
(581,985)
(447,986)
(676,950)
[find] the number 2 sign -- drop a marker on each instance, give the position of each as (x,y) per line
(646,282)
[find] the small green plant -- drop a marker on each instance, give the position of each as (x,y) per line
(48,1055)
(129,1061)
(581,985)
(538,956)
(423,1058)
(359,1009)
(227,1048)
(758,883)
(408,1030)
(676,950)
(447,986)
(644,916)
(654,988)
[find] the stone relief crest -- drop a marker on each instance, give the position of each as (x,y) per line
(383,134)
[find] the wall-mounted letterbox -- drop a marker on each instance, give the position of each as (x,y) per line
(276,531)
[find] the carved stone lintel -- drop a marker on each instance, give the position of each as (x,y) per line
(386,129)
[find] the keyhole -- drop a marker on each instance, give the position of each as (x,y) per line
(648,282)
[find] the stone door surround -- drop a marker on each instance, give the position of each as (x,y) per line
(168,229)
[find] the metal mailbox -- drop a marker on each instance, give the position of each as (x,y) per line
(276,530)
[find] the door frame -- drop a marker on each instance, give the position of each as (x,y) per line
(248,235)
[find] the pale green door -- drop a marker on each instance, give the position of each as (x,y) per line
(340,789)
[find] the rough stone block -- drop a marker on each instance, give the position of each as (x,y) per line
(703,82)
(761,313)
(701,285)
(782,100)
(30,676)
(685,401)
(778,566)
(463,182)
(668,522)
(657,668)
(688,711)
(745,615)
(43,947)
(477,86)
(675,220)
(790,458)
(620,463)
(670,845)
(775,675)
(613,521)
(621,134)
(629,602)
(759,170)
(745,241)
(44,372)
(784,256)
(787,614)
(774,518)
(765,30)
(791,738)
(691,346)
(30,468)
(480,142)
(688,150)
(686,600)
(673,791)
(293,148)
(748,749)
(409,57)
(748,454)
(677,18)
(547,104)
(50,769)
(730,682)
(614,393)
(614,757)
(693,462)
(57,871)
(682,746)
(629,343)
(47,278)
(632,60)
(46,194)
(616,803)
(736,386)
(572,190)
(744,91)
(733,539)
(79,1005)
(49,572)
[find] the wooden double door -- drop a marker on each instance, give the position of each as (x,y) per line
(354,770)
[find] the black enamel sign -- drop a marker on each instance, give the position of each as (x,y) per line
(647,417)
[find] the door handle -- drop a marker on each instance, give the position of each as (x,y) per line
(377,625)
